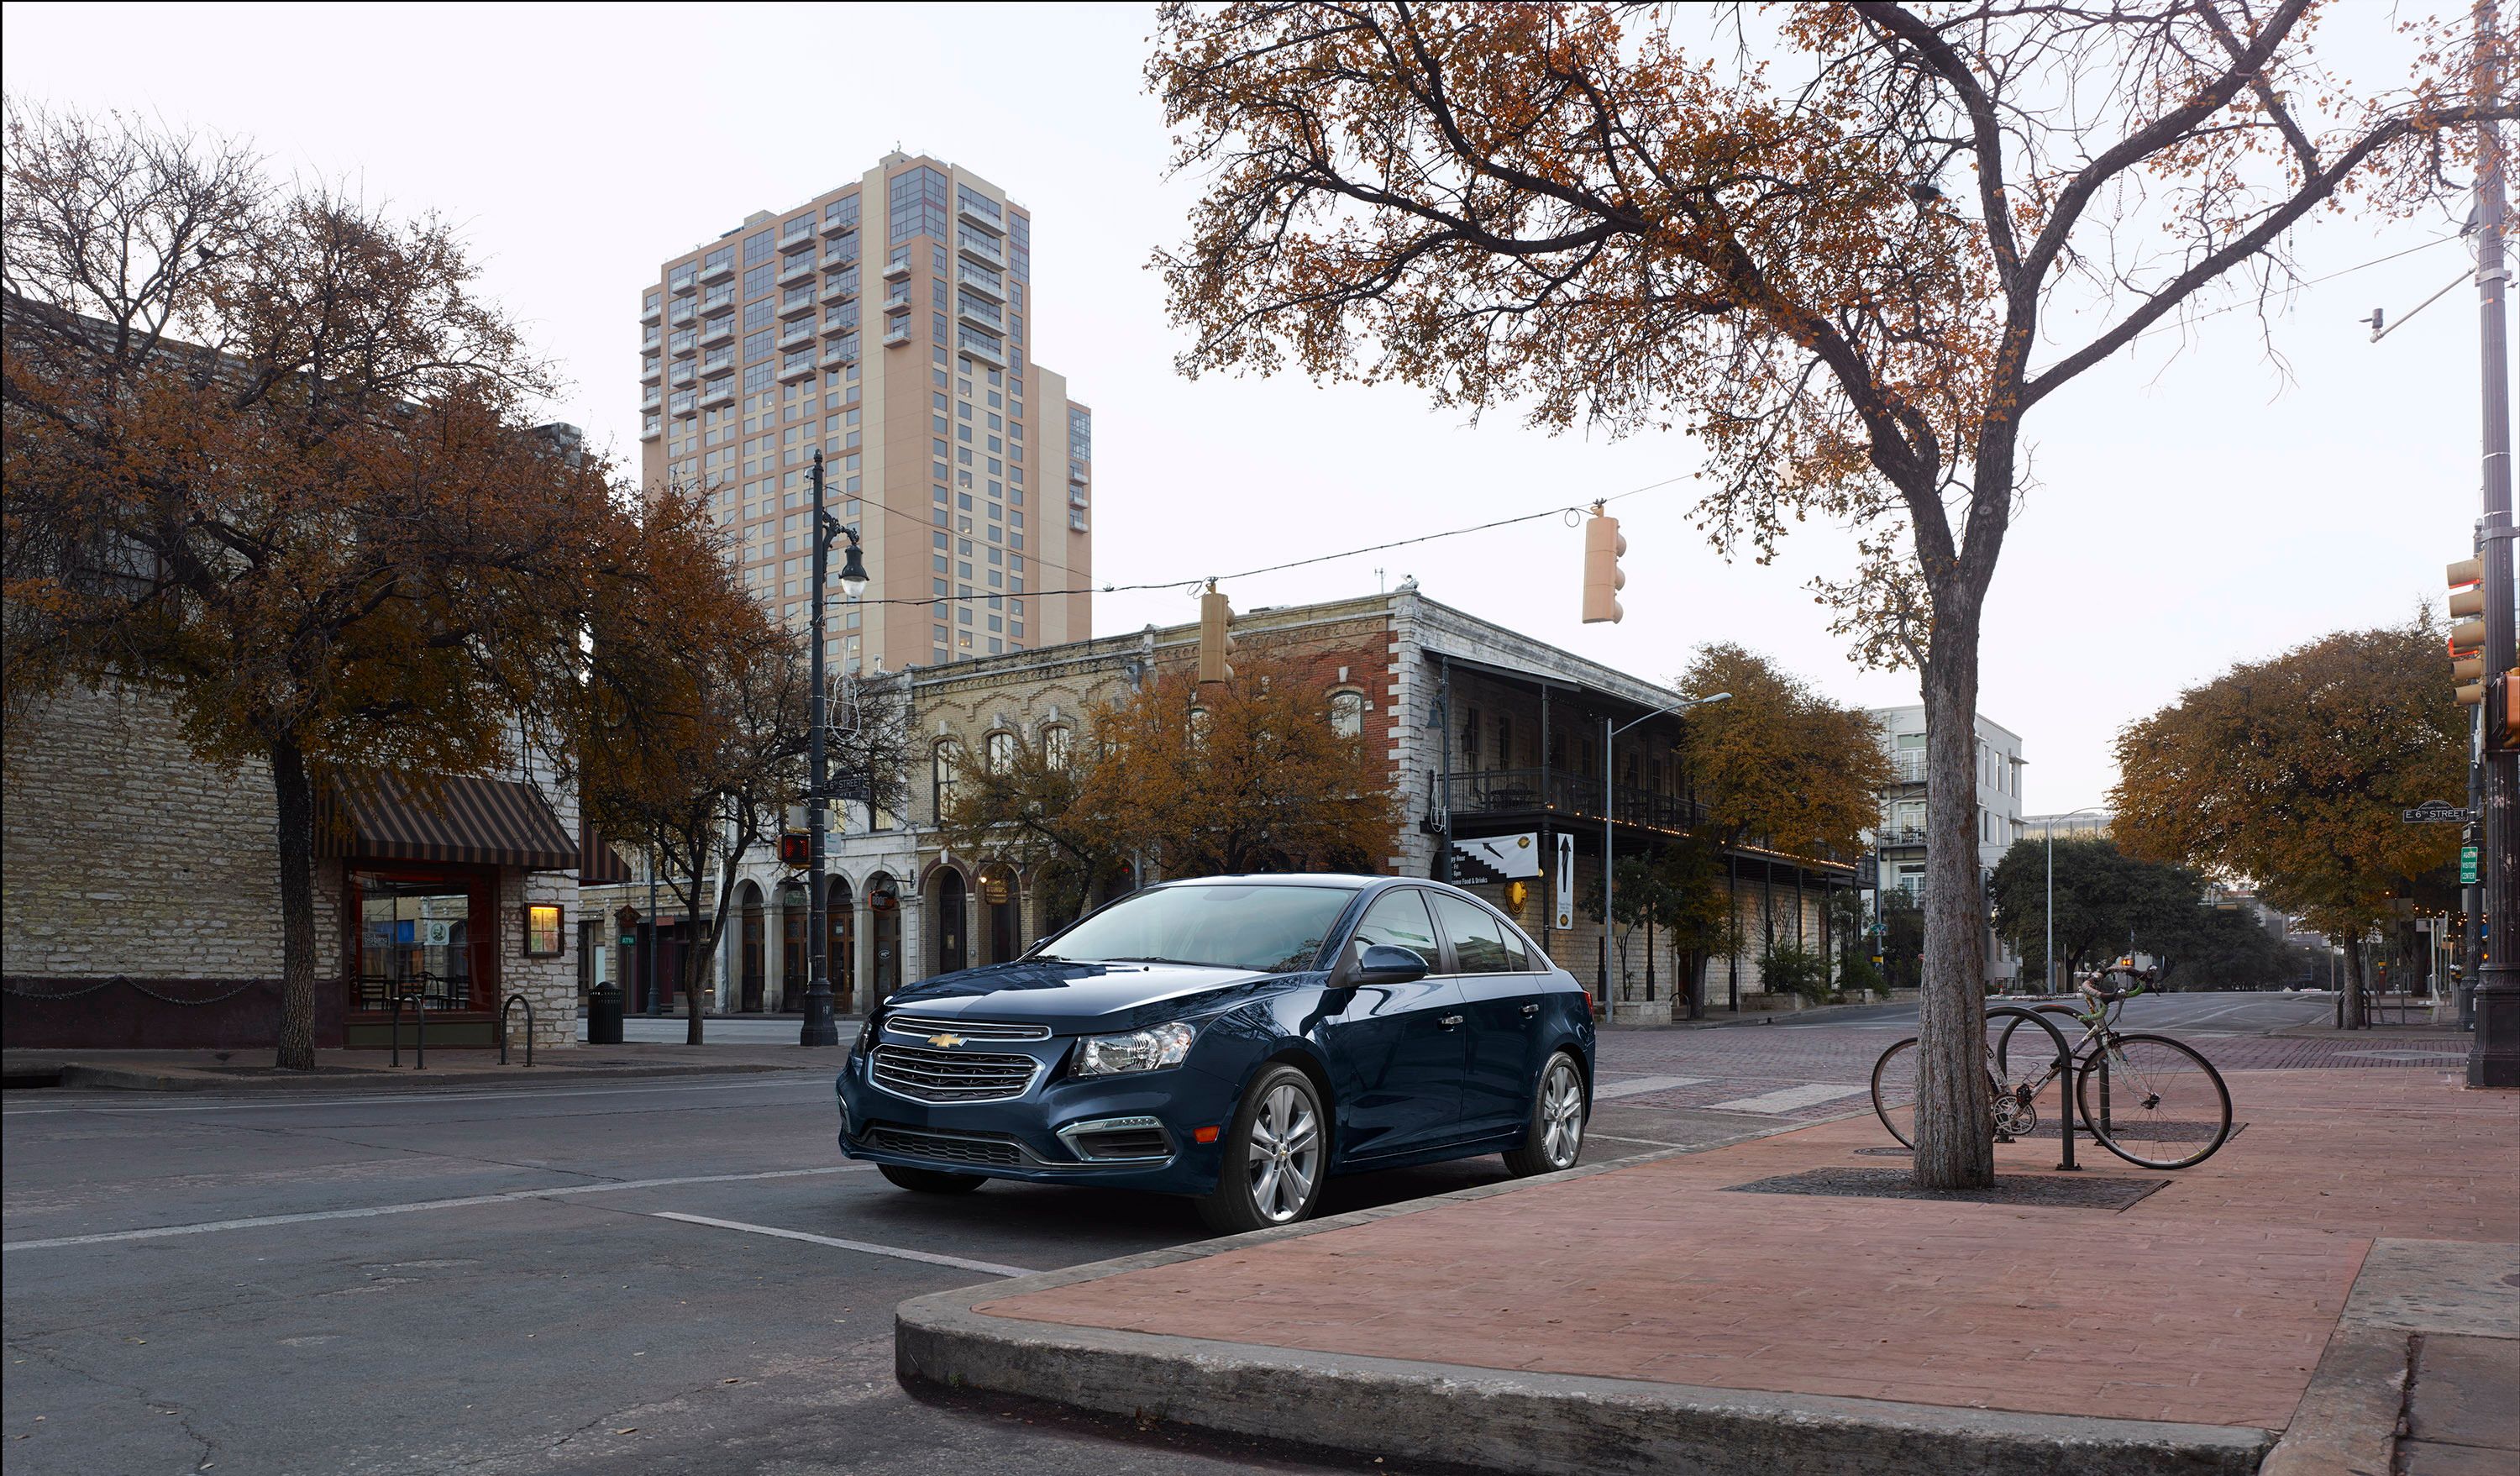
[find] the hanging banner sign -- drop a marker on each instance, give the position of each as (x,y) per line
(1563,907)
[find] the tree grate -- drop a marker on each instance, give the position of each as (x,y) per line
(2094,1191)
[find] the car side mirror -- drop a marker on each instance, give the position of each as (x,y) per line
(1389,964)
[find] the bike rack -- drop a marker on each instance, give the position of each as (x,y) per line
(514,1001)
(2064,1077)
(420,1031)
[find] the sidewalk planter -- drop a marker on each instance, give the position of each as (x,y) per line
(1640,1012)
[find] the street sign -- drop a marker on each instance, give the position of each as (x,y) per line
(2467,866)
(2435,812)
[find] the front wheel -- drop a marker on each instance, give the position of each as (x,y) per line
(1273,1156)
(1555,1137)
(2153,1102)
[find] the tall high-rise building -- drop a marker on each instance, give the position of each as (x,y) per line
(907,358)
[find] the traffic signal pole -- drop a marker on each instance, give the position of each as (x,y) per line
(2494,1058)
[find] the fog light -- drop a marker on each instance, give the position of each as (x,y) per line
(1204,1134)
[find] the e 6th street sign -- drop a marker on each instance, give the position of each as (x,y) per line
(2434,812)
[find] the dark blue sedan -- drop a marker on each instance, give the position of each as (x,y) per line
(1238,1039)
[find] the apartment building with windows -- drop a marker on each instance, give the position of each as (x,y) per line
(1900,843)
(884,322)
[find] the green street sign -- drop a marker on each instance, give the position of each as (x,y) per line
(2467,866)
(627,941)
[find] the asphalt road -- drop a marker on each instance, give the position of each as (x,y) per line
(678,1277)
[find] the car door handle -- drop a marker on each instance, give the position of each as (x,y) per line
(1530,1009)
(1449,1021)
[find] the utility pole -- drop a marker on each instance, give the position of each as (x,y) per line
(2494,1058)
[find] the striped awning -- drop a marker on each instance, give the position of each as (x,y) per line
(373,815)
(598,863)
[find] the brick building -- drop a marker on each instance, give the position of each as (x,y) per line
(1492,740)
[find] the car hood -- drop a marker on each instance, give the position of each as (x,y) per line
(1074,998)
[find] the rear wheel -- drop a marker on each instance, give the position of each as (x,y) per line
(1273,1156)
(2153,1102)
(1554,1139)
(931,1180)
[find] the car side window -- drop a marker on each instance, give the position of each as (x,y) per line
(1479,937)
(1397,917)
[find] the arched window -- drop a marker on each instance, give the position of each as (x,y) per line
(1054,740)
(999,750)
(947,775)
(1347,713)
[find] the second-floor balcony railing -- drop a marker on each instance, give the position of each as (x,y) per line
(1512,792)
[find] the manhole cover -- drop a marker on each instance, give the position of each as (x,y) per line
(2022,1191)
(1887,1152)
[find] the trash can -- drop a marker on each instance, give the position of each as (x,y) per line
(603,1016)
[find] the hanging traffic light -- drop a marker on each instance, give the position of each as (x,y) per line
(2467,629)
(1602,579)
(1215,636)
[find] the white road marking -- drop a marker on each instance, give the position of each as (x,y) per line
(1643,1085)
(756,1082)
(364,1212)
(992,1267)
(1788,1099)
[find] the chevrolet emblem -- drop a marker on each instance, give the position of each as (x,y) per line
(945,1041)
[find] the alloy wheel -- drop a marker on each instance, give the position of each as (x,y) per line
(1285,1153)
(1561,1114)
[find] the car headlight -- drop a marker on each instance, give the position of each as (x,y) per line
(1147,1050)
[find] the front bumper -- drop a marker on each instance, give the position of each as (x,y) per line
(1034,1136)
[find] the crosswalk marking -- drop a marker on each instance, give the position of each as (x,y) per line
(1788,1098)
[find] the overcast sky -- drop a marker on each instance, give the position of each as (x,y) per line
(2196,505)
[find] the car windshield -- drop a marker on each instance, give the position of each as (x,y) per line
(1273,929)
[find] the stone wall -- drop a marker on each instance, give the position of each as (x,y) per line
(126,855)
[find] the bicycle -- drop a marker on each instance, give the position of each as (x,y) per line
(2150,1100)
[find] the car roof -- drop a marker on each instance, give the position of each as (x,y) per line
(1280,878)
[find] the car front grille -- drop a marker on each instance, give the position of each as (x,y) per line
(969,1030)
(951,1076)
(947,1147)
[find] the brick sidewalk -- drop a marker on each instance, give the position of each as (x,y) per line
(2208,1302)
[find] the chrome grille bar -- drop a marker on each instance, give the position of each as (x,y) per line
(951,1076)
(969,1030)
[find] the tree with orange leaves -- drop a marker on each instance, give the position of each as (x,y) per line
(268,454)
(1849,247)
(1247,774)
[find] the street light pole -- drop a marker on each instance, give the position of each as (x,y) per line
(2494,1058)
(821,1026)
(1609,807)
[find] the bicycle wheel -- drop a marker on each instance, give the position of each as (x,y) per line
(1897,1107)
(2153,1102)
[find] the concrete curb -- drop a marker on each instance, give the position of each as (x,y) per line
(1503,1420)
(123,1079)
(1498,1420)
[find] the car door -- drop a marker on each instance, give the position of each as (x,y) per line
(1397,1051)
(1500,998)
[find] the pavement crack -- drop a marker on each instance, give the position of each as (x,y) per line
(183,1416)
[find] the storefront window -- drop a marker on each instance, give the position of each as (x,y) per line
(415,938)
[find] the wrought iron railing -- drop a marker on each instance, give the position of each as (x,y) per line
(1506,791)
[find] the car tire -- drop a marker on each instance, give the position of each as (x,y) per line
(1277,1153)
(1553,1139)
(931,1180)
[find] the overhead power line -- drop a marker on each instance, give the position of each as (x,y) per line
(1197,581)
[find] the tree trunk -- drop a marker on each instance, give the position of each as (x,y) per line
(1955,1124)
(2350,1004)
(1696,966)
(295,838)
